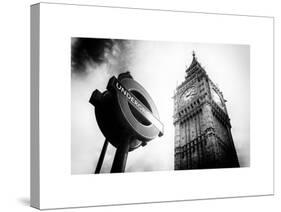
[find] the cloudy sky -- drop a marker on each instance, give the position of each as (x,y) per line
(158,67)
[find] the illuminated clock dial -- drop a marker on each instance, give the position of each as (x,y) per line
(187,95)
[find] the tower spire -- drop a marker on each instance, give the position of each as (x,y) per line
(193,54)
(193,64)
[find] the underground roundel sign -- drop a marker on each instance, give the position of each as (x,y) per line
(137,107)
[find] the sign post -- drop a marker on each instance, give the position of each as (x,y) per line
(101,158)
(120,159)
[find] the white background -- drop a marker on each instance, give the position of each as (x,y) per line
(15,107)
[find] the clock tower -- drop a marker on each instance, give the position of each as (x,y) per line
(202,126)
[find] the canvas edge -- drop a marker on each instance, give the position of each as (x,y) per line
(34,106)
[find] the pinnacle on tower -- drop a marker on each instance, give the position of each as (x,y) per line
(193,53)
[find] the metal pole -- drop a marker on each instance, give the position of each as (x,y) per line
(102,154)
(120,157)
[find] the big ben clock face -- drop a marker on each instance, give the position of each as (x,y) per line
(187,95)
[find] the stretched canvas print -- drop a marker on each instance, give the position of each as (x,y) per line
(126,102)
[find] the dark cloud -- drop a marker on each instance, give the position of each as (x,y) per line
(96,51)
